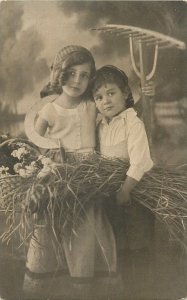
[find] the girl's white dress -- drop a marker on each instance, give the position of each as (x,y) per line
(87,262)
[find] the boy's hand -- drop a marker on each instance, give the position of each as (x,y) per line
(124,194)
(149,89)
(123,197)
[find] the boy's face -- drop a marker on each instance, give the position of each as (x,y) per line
(110,100)
(78,79)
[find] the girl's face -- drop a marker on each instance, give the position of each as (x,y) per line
(110,100)
(78,79)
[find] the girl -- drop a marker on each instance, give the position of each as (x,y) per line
(70,116)
(121,134)
(89,256)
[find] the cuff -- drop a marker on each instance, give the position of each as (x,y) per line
(137,172)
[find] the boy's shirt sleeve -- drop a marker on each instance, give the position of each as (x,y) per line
(138,149)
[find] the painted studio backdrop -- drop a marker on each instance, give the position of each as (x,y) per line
(31,33)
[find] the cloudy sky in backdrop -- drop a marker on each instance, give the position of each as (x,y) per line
(31,32)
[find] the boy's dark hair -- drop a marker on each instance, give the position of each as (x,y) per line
(66,58)
(111,74)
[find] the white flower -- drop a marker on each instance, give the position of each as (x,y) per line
(31,168)
(20,152)
(17,167)
(3,168)
(4,171)
(46,161)
(27,171)
(24,173)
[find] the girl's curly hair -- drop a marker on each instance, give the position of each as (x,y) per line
(66,58)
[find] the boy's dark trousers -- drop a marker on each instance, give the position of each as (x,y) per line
(134,231)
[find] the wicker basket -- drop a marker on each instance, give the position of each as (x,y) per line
(10,188)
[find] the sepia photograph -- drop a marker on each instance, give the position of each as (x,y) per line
(93,150)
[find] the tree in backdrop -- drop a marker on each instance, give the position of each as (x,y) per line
(21,65)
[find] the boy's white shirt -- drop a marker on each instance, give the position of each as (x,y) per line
(125,137)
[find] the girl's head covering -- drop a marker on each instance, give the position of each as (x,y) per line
(67,57)
(112,74)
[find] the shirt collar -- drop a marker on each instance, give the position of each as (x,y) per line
(129,112)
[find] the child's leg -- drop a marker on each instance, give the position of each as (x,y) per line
(44,269)
(92,255)
(139,230)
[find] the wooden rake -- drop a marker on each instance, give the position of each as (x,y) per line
(145,39)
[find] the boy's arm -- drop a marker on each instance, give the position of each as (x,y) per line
(138,150)
(123,195)
(140,161)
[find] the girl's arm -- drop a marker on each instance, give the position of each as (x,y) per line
(45,119)
(41,126)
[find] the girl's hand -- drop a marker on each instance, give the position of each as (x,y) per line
(123,196)
(56,155)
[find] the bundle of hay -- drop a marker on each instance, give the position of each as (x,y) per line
(59,193)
